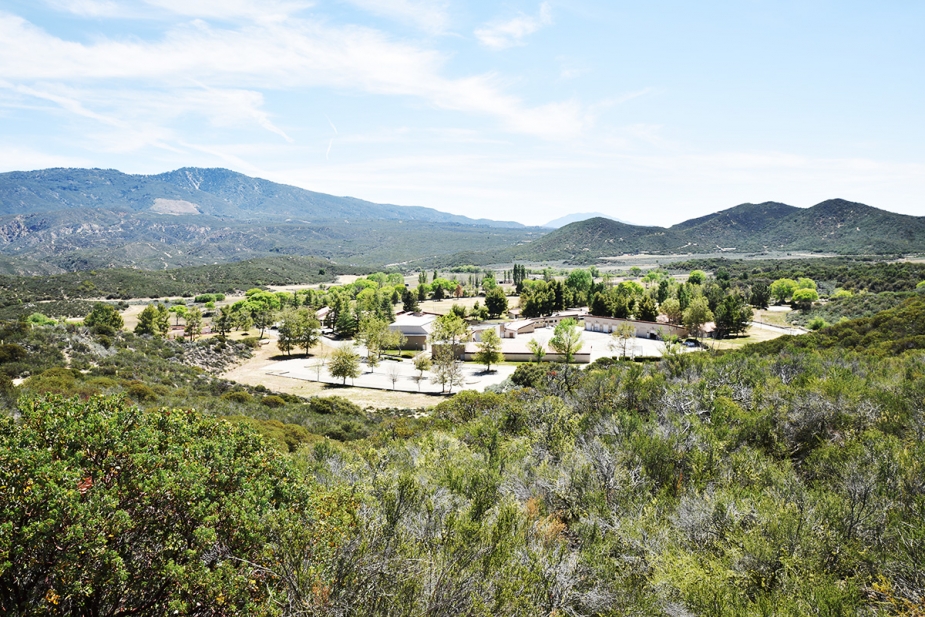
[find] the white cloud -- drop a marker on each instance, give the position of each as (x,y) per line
(88,8)
(265,10)
(290,54)
(428,15)
(511,32)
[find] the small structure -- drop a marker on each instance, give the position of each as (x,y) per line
(513,329)
(644,329)
(553,320)
(416,327)
(323,313)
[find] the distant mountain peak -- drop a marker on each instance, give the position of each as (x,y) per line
(579,216)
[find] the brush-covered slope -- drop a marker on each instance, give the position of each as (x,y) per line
(598,237)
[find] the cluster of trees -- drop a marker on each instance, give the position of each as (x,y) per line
(694,302)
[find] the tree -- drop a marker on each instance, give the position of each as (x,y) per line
(806,283)
(538,350)
(445,368)
(760,294)
(697,277)
(496,301)
(373,334)
(489,349)
(263,318)
(732,316)
(346,323)
(154,320)
(222,323)
(409,302)
(478,312)
(104,319)
(621,337)
(566,340)
(111,510)
(579,283)
(179,310)
(781,289)
(685,295)
(449,331)
(344,363)
(449,328)
(697,314)
(646,310)
(671,309)
(193,328)
(298,328)
(393,372)
(421,365)
(803,298)
(520,275)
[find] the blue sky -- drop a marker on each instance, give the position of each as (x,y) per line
(652,112)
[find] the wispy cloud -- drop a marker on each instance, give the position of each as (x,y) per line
(265,10)
(295,53)
(502,34)
(432,16)
(87,8)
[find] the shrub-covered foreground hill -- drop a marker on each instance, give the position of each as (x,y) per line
(790,483)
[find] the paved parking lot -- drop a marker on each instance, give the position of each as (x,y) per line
(401,375)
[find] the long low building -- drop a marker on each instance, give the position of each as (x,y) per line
(516,350)
(644,329)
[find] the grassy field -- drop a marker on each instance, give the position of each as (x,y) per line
(752,335)
(775,318)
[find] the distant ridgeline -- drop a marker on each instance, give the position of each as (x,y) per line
(834,226)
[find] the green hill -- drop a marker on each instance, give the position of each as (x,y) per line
(888,333)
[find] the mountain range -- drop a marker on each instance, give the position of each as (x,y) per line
(58,220)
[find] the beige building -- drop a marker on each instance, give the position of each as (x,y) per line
(644,329)
(513,329)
